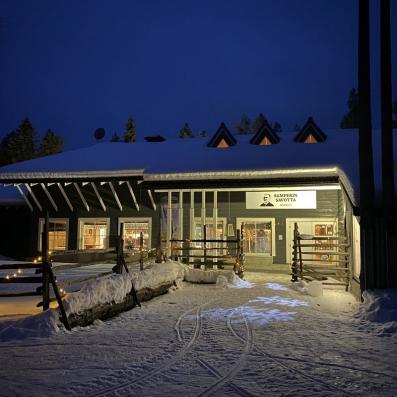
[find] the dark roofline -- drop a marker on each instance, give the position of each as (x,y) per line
(310,127)
(266,130)
(222,133)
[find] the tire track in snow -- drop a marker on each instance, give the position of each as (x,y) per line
(169,363)
(225,379)
(289,368)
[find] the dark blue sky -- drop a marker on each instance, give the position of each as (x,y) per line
(74,66)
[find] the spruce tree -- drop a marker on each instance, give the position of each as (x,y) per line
(186,132)
(244,126)
(202,134)
(277,127)
(19,145)
(115,138)
(297,127)
(130,131)
(257,124)
(351,118)
(50,144)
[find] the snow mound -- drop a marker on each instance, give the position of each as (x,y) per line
(379,306)
(40,325)
(221,278)
(314,288)
(201,276)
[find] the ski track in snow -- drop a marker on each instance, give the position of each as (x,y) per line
(205,341)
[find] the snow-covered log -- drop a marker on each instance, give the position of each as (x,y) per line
(108,296)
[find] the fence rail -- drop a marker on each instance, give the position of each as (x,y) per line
(331,270)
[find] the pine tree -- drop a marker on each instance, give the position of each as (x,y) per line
(297,127)
(257,124)
(395,114)
(50,144)
(244,126)
(130,131)
(99,133)
(351,118)
(277,127)
(115,138)
(186,132)
(19,145)
(202,133)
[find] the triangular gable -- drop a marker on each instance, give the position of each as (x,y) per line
(265,136)
(310,133)
(222,138)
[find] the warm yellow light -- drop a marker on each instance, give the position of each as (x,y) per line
(14,274)
(19,271)
(34,260)
(39,258)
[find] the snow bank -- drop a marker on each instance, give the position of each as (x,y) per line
(314,288)
(115,287)
(221,278)
(379,306)
(40,325)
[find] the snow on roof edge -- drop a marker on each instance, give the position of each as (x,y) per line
(67,175)
(253,174)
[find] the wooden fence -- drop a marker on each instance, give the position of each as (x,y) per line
(44,276)
(321,258)
(196,251)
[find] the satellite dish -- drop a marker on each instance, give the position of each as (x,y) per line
(99,133)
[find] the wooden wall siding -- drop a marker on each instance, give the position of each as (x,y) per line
(112,210)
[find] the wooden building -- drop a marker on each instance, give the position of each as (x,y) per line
(172,188)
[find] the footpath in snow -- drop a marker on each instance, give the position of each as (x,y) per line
(255,338)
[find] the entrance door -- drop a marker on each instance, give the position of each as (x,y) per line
(326,227)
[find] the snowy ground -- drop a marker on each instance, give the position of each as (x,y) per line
(69,277)
(268,340)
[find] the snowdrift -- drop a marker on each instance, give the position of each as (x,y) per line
(380,308)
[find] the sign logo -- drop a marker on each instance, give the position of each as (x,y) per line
(281,199)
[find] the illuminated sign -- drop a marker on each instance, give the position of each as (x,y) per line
(281,199)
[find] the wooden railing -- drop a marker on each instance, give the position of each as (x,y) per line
(44,276)
(320,258)
(188,250)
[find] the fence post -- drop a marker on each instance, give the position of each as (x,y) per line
(205,247)
(44,253)
(141,251)
(294,266)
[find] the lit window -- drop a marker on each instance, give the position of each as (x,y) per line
(222,144)
(57,234)
(94,234)
(310,139)
(265,141)
(132,234)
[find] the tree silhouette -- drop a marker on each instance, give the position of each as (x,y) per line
(186,132)
(50,144)
(130,131)
(351,118)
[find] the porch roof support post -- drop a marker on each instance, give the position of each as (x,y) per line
(98,196)
(24,197)
(203,217)
(81,196)
(215,222)
(191,215)
(132,195)
(169,223)
(116,197)
(180,216)
(34,197)
(49,196)
(62,190)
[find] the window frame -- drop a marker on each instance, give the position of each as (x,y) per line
(41,229)
(80,234)
(239,221)
(137,220)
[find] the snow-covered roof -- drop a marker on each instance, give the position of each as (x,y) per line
(187,159)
